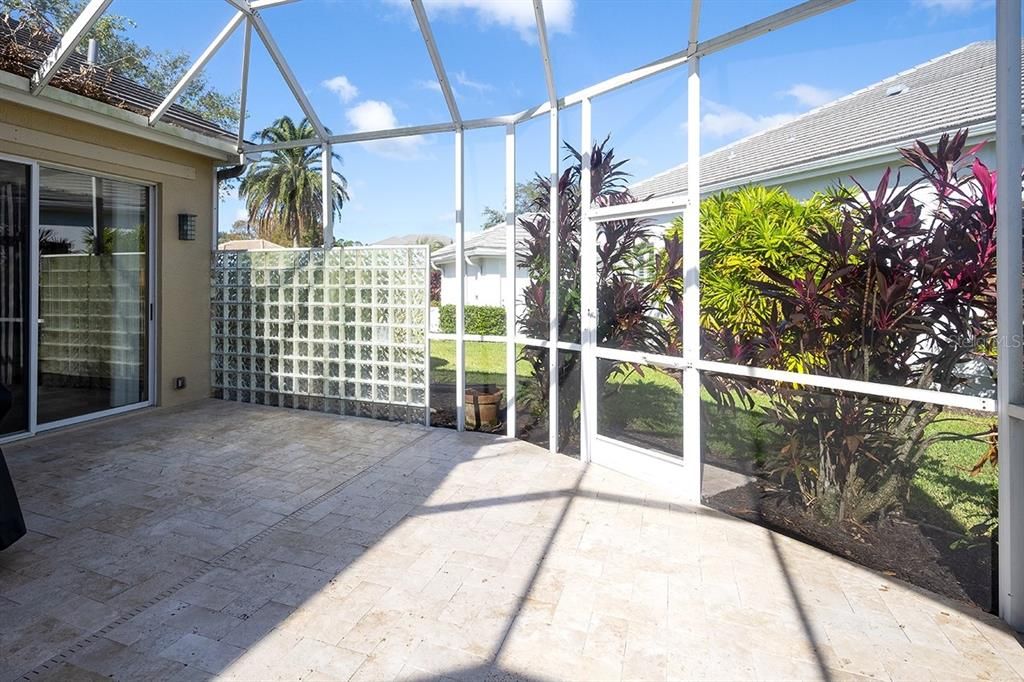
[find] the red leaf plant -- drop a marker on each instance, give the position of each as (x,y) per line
(900,291)
(632,310)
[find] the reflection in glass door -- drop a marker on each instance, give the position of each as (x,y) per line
(635,383)
(93,294)
(15,228)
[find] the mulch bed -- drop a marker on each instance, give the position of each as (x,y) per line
(897,547)
(901,547)
(915,552)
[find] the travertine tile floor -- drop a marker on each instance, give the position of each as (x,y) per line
(242,542)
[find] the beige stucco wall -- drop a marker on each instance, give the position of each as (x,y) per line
(184,182)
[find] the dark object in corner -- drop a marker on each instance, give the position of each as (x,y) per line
(12,523)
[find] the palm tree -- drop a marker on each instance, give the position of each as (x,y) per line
(282,191)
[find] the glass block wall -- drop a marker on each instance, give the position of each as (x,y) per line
(340,331)
(92,319)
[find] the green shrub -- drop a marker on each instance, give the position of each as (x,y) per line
(743,231)
(480,319)
(446,319)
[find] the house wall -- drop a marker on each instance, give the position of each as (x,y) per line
(184,182)
(867,175)
(484,282)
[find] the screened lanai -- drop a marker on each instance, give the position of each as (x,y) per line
(742,254)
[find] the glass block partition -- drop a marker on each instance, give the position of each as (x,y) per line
(92,320)
(342,331)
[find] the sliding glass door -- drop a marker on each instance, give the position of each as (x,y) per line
(15,231)
(94,305)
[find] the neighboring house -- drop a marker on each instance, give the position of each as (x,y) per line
(858,135)
(415,239)
(249,245)
(484,254)
(117,317)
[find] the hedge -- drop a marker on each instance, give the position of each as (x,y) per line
(480,319)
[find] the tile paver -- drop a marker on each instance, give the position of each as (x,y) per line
(241,542)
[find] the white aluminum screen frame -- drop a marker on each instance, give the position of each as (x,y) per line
(1010,401)
(1010,315)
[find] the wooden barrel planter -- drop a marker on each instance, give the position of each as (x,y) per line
(483,406)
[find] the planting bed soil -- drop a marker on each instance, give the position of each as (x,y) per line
(896,546)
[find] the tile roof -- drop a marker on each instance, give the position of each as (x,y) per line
(414,239)
(490,242)
(953,91)
(23,51)
(250,245)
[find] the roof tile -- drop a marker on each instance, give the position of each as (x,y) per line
(954,91)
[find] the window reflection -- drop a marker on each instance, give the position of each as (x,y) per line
(93,298)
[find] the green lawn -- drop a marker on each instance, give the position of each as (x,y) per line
(647,410)
(942,493)
(485,363)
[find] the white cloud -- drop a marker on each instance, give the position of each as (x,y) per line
(241,214)
(514,14)
(371,115)
(342,87)
(462,79)
(430,84)
(724,121)
(952,6)
(810,95)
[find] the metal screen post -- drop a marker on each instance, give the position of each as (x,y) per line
(244,92)
(460,295)
(588,295)
(510,281)
(327,193)
(1009,313)
(691,294)
(553,222)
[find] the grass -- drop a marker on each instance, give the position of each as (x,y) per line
(943,491)
(944,478)
(647,410)
(485,363)
(644,409)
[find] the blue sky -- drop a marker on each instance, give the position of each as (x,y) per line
(363,65)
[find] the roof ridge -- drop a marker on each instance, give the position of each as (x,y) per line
(475,236)
(478,239)
(823,107)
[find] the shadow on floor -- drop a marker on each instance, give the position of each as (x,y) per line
(252,543)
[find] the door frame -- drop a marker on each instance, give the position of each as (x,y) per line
(33,293)
(647,464)
(32,354)
(681,474)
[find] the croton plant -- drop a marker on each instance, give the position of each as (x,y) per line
(900,290)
